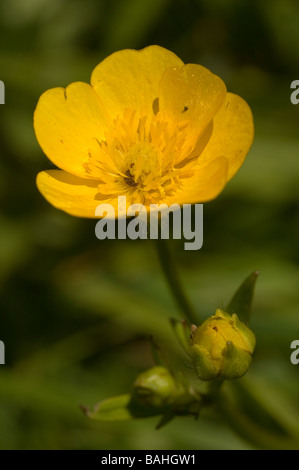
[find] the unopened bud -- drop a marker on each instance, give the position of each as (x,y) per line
(155,387)
(221,347)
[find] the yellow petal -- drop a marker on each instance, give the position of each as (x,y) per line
(232,134)
(76,196)
(130,78)
(80,197)
(68,122)
(204,186)
(191,93)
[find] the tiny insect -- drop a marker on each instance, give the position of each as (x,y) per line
(129,179)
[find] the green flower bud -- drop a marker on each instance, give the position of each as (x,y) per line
(221,347)
(155,387)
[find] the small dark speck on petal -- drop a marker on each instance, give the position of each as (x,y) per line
(156,106)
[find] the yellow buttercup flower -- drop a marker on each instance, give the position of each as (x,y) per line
(148,127)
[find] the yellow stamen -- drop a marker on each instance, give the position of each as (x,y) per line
(138,156)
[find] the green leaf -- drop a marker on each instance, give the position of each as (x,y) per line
(120,408)
(182,333)
(242,300)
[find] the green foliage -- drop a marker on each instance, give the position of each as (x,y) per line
(118,409)
(76,313)
(242,299)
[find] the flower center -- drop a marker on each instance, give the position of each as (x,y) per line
(140,156)
(144,171)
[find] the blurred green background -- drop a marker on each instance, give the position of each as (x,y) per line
(75,313)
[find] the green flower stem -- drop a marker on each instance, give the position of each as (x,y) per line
(248,429)
(170,272)
(212,390)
